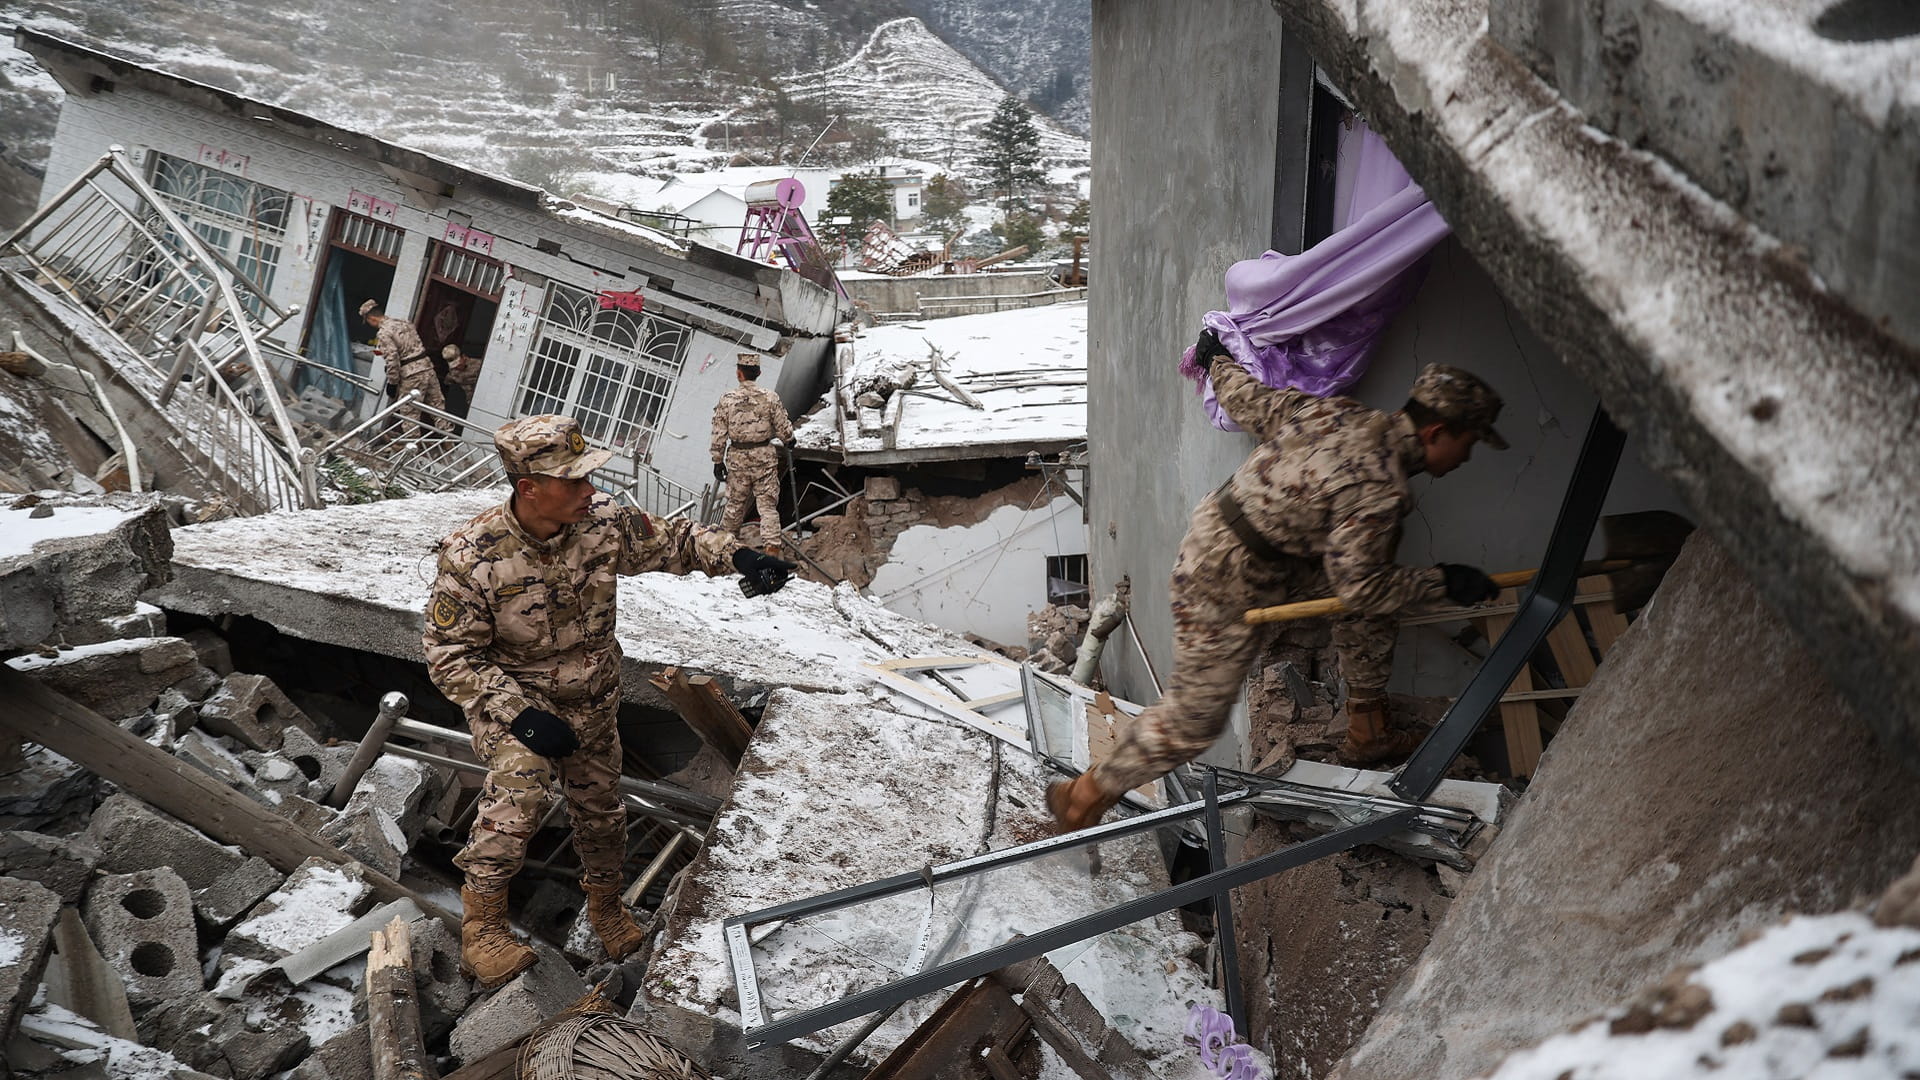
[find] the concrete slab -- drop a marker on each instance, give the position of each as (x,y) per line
(77,563)
(358,576)
(143,924)
(837,790)
(28,911)
(114,678)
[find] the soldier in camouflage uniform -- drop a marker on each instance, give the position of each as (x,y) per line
(520,635)
(745,423)
(408,365)
(1315,508)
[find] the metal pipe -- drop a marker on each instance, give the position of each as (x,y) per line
(393,706)
(127,450)
(659,864)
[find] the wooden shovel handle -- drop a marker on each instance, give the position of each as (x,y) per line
(1313,609)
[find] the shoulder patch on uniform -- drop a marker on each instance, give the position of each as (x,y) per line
(445,611)
(646,524)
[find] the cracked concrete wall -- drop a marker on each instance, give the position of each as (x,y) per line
(1163,253)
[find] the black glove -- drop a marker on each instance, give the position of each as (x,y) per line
(1207,349)
(761,573)
(393,391)
(1467,585)
(720,472)
(544,733)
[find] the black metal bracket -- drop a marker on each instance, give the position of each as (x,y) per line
(1545,602)
(1223,909)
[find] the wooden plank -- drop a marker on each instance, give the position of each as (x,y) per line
(707,711)
(393,1009)
(1519,720)
(174,787)
(1571,653)
(1545,695)
(502,1064)
(1607,623)
(1599,595)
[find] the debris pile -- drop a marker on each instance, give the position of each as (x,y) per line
(1054,633)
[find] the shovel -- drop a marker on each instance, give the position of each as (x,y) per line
(1640,546)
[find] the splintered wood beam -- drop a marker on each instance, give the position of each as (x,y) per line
(707,710)
(64,726)
(393,1008)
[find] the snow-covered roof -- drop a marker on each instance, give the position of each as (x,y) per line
(1026,368)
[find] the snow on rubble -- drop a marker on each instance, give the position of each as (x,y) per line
(1027,369)
(372,567)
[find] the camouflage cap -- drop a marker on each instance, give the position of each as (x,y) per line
(547,446)
(1462,399)
(367,306)
(747,360)
(450,353)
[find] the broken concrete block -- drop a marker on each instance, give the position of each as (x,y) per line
(306,813)
(550,910)
(114,678)
(315,767)
(371,837)
(882,488)
(65,571)
(144,620)
(256,1037)
(45,790)
(318,898)
(81,981)
(133,836)
(346,1056)
(143,924)
(208,754)
(28,911)
(237,892)
(175,713)
(532,998)
(253,710)
(61,863)
(212,649)
(444,993)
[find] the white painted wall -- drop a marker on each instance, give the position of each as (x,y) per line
(322,177)
(982,578)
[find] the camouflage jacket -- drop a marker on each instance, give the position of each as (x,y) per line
(515,621)
(397,341)
(748,413)
(1329,482)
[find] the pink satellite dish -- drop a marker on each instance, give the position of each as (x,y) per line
(786,193)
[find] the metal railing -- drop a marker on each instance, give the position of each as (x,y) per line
(654,493)
(187,320)
(406,448)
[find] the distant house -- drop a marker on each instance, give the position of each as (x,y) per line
(629,328)
(908,185)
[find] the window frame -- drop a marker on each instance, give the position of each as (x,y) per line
(614,370)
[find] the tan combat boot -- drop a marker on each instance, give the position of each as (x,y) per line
(1078,803)
(1369,739)
(612,921)
(489,953)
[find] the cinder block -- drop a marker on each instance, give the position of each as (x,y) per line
(253,710)
(28,911)
(532,998)
(370,836)
(394,784)
(444,992)
(133,836)
(61,863)
(142,923)
(206,753)
(306,813)
(318,898)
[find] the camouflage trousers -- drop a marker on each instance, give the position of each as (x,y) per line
(1215,580)
(519,783)
(419,376)
(753,474)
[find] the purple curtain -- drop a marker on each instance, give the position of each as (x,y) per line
(1311,320)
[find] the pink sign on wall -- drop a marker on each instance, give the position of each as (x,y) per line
(625,301)
(472,239)
(370,206)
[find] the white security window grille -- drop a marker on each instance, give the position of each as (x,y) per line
(241,220)
(367,236)
(465,270)
(612,369)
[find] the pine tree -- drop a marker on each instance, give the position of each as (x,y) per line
(944,205)
(862,197)
(1011,157)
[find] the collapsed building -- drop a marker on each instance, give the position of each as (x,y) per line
(189,235)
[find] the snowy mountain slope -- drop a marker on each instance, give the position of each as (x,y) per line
(1040,49)
(926,95)
(546,91)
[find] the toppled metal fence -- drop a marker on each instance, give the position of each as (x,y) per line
(188,324)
